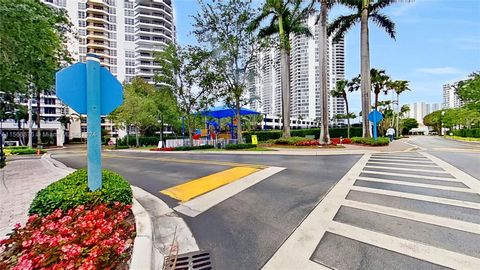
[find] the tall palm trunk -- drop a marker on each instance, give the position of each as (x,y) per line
(39,131)
(348,115)
(285,67)
(365,70)
(239,122)
(324,134)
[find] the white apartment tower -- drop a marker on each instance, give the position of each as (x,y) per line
(305,100)
(450,98)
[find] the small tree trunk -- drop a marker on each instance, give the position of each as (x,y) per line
(39,131)
(365,69)
(161,130)
(348,117)
(324,134)
(398,113)
(239,121)
(190,130)
(137,139)
(285,78)
(128,135)
(30,122)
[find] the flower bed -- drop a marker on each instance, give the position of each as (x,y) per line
(163,149)
(308,143)
(97,238)
(341,141)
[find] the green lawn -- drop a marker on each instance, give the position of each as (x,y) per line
(466,139)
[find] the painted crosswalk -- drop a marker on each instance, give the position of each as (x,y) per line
(405,210)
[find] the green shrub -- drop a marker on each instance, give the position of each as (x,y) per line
(27,151)
(17,147)
(147,141)
(121,147)
(381,141)
(467,132)
(72,191)
(189,148)
(264,136)
(240,146)
(291,140)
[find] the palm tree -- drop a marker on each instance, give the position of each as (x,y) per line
(340,91)
(399,87)
(379,82)
(365,10)
(287,17)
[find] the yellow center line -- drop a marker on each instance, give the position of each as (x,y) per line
(196,187)
(191,161)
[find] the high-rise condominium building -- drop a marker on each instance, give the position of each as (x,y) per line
(418,110)
(305,102)
(124,34)
(450,98)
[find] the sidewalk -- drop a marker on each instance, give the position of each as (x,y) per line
(21,179)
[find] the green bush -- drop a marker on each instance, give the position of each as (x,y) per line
(121,147)
(291,140)
(189,148)
(467,132)
(240,146)
(26,151)
(17,147)
(147,141)
(264,136)
(381,141)
(72,191)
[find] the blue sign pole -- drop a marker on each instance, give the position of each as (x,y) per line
(94,146)
(375,126)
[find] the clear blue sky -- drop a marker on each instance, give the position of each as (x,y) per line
(438,41)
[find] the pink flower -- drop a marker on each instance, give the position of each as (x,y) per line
(32,218)
(27,243)
(17,226)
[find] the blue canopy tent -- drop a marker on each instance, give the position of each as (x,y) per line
(224,112)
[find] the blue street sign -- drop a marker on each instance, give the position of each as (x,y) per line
(375,117)
(90,89)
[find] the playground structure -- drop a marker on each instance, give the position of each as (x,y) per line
(214,133)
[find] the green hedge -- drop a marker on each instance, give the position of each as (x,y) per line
(263,136)
(467,132)
(381,141)
(72,191)
(121,147)
(189,148)
(26,151)
(291,140)
(240,146)
(17,147)
(147,141)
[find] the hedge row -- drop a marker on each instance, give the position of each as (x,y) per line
(381,141)
(240,146)
(276,134)
(467,132)
(147,141)
(72,191)
(189,148)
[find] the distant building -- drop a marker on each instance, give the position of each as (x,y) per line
(418,110)
(450,98)
(305,99)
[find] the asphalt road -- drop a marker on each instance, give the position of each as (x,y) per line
(244,231)
(463,155)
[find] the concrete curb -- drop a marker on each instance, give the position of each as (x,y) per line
(143,242)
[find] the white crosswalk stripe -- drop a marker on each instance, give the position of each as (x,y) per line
(462,198)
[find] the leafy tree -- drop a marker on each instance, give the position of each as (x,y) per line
(139,107)
(407,124)
(223,25)
(469,91)
(340,91)
(189,74)
(434,120)
(287,18)
(364,10)
(33,44)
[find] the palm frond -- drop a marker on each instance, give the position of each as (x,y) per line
(300,29)
(341,25)
(380,4)
(268,31)
(352,4)
(383,21)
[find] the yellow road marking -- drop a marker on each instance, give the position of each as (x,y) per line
(191,161)
(194,188)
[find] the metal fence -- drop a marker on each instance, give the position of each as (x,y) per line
(218,143)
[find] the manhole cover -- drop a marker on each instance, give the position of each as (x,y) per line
(198,260)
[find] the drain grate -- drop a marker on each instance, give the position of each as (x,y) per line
(198,260)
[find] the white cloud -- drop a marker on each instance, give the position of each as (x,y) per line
(440,70)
